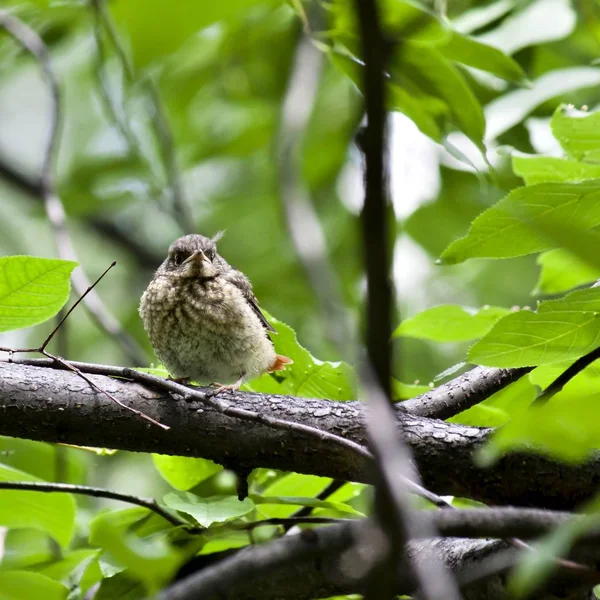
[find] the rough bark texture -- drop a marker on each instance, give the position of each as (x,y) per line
(57,406)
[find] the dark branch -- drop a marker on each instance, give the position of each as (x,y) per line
(84,490)
(462,393)
(55,406)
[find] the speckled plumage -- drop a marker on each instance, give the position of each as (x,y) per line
(203,319)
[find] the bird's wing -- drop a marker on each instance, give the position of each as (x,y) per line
(241,281)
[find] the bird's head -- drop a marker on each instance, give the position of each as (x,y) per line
(193,257)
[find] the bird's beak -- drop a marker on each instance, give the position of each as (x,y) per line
(198,257)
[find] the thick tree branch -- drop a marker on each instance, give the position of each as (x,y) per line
(326,561)
(56,406)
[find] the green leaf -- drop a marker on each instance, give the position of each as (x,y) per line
(404,391)
(566,427)
(479,16)
(538,22)
(122,586)
(450,323)
(206,511)
(505,230)
(473,53)
(561,271)
(308,376)
(32,289)
(510,109)
(146,555)
(17,585)
(155,29)
(311,502)
(70,568)
(539,169)
(498,409)
(432,73)
(292,484)
(578,133)
(558,331)
(183,472)
(53,513)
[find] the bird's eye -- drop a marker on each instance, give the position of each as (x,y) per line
(210,254)
(178,258)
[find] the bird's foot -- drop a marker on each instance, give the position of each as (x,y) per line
(233,387)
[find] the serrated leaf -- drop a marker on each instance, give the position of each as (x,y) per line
(578,133)
(32,289)
(561,271)
(17,585)
(308,376)
(450,323)
(539,169)
(184,472)
(505,230)
(52,513)
(558,331)
(206,511)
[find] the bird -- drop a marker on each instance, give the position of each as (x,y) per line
(203,319)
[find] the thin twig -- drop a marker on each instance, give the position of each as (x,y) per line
(69,365)
(30,40)
(84,490)
(559,383)
(75,304)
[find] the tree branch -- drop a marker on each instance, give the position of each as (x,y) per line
(462,393)
(56,406)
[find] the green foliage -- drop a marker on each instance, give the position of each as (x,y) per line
(509,228)
(183,472)
(451,323)
(207,511)
(488,75)
(308,376)
(52,513)
(16,585)
(32,289)
(557,331)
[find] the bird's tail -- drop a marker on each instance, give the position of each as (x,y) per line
(280,363)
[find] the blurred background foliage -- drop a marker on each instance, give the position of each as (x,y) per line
(178,116)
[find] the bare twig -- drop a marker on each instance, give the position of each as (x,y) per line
(69,365)
(557,385)
(30,40)
(302,221)
(84,490)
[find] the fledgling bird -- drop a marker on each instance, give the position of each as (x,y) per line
(203,319)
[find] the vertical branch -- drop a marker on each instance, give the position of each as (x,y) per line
(373,216)
(393,460)
(55,211)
